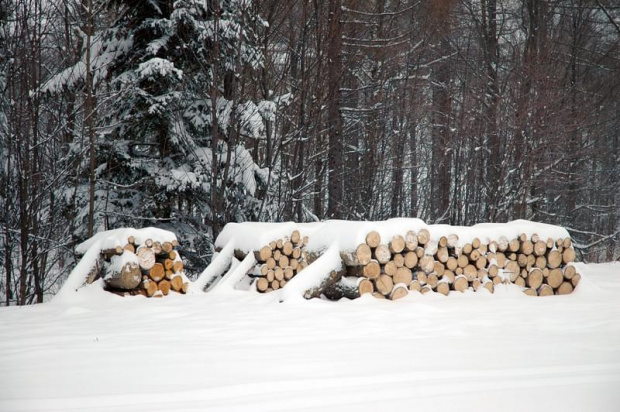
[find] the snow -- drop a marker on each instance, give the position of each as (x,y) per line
(247,352)
(117,262)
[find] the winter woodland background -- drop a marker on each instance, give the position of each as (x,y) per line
(188,114)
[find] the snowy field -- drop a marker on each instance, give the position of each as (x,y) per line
(247,352)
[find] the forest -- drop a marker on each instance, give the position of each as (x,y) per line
(190,114)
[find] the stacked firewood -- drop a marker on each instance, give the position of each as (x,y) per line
(415,262)
(151,269)
(279,262)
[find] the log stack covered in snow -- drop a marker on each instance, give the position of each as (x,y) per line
(150,268)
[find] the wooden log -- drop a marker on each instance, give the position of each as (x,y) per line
(540,248)
(271,263)
(501,260)
(575,280)
(279,244)
(419,251)
(359,257)
(283,283)
(502,244)
(390,268)
(470,272)
(415,285)
(421,277)
(398,259)
(273,245)
(168,274)
(424,236)
(535,238)
(165,247)
(567,243)
(490,286)
(431,248)
(349,287)
(513,270)
(568,255)
(555,278)
(284,261)
(289,273)
(177,266)
(384,285)
(481,262)
(443,242)
(443,288)
(295,236)
(520,282)
(569,272)
(554,259)
(460,283)
(146,257)
(263,254)
(452,263)
(157,272)
(448,276)
(373,239)
(278,273)
(325,282)
(545,290)
(126,278)
(462,261)
(427,264)
(176,283)
(411,241)
(522,260)
(550,244)
(565,288)
(372,269)
(483,249)
(149,286)
(403,275)
(442,254)
(527,247)
(271,275)
(157,249)
(185,287)
(294,263)
(492,246)
(432,280)
(497,280)
(277,254)
(530,292)
(514,245)
(130,248)
(287,248)
(383,254)
(378,295)
(439,269)
(275,284)
(474,255)
(399,291)
(534,278)
(164,287)
(296,253)
(397,244)
(492,271)
(411,260)
(467,248)
(168,264)
(425,290)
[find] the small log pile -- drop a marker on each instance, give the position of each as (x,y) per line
(416,263)
(279,262)
(151,269)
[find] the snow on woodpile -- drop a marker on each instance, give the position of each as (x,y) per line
(390,259)
(129,262)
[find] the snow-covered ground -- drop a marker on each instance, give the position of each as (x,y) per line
(247,352)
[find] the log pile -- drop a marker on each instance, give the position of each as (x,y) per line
(151,269)
(416,263)
(279,262)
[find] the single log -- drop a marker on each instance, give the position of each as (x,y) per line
(492,271)
(483,249)
(565,288)
(185,287)
(411,241)
(271,275)
(146,257)
(452,263)
(130,248)
(390,268)
(277,254)
(372,269)
(295,236)
(470,272)
(474,255)
(575,280)
(397,244)
(271,263)
(520,282)
(294,263)
(567,243)
(439,268)
(325,282)
(541,262)
(522,260)
(165,247)
(500,258)
(569,272)
(442,254)
(384,285)
(448,276)
(173,255)
(497,280)
(512,269)
(403,275)
(378,295)
(382,254)
(419,251)
(502,244)
(278,273)
(545,290)
(177,266)
(296,253)
(443,288)
(432,280)
(530,292)
(568,255)
(361,256)
(535,278)
(128,277)
(411,260)
(168,264)
(168,274)
(287,248)
(289,273)
(284,261)
(263,254)
(514,245)
(279,244)
(399,259)
(415,286)
(490,286)
(157,272)
(462,261)
(540,248)
(492,246)
(176,283)
(149,287)
(275,284)
(164,287)
(550,244)
(554,259)
(157,249)
(427,264)
(373,239)
(283,283)
(421,277)
(399,291)
(481,262)
(273,245)
(431,248)
(467,249)
(349,287)
(460,283)
(555,278)
(535,238)
(424,236)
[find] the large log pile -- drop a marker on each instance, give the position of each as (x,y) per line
(279,262)
(415,262)
(151,269)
